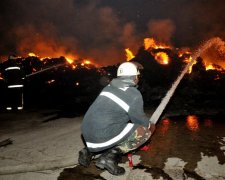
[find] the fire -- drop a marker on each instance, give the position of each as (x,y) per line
(162,58)
(189,60)
(31,54)
(210,67)
(86,62)
(69,60)
(129,54)
(150,43)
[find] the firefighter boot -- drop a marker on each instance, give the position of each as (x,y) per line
(85,157)
(109,161)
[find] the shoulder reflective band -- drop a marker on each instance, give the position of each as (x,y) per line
(117,100)
(12,68)
(113,140)
(15,86)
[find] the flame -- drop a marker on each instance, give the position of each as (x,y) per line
(192,123)
(190,68)
(185,53)
(210,67)
(74,67)
(31,54)
(129,54)
(69,60)
(86,62)
(150,43)
(162,58)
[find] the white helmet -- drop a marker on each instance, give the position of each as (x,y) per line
(128,69)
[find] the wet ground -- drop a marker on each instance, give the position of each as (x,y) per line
(188,139)
(43,147)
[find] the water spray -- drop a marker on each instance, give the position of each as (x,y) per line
(155,116)
(46,69)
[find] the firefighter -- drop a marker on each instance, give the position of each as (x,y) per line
(14,81)
(115,123)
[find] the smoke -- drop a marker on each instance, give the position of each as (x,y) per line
(100,30)
(66,28)
(215,54)
(161,30)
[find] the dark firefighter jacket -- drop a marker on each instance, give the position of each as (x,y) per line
(13,77)
(114,115)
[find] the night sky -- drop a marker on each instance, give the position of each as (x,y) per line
(101,29)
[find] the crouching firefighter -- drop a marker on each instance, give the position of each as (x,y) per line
(115,123)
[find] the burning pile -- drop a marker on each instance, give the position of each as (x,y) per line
(74,83)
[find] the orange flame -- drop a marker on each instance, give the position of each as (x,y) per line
(209,67)
(69,60)
(86,62)
(31,54)
(129,54)
(150,43)
(162,58)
